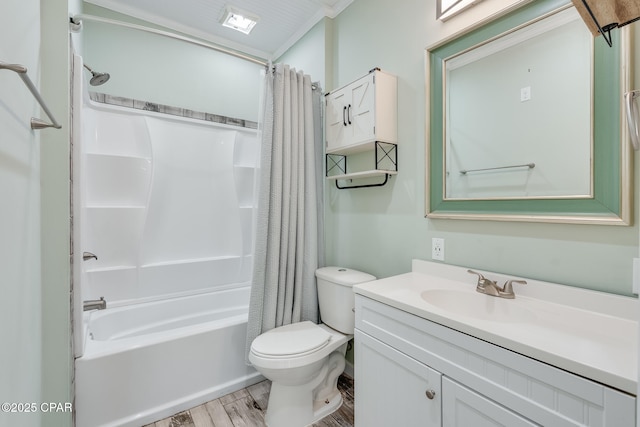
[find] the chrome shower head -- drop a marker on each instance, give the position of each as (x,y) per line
(98,78)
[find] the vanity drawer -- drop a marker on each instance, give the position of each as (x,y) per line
(540,392)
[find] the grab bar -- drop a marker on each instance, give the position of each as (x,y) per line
(529,165)
(35,122)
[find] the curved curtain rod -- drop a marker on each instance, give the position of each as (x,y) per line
(77,19)
(36,123)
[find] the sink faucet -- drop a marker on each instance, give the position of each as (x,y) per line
(99,304)
(490,287)
(507,289)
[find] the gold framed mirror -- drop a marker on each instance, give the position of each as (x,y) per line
(478,114)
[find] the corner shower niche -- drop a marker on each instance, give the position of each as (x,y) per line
(168,205)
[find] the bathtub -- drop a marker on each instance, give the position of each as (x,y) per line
(145,362)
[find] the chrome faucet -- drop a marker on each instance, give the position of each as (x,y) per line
(490,287)
(94,304)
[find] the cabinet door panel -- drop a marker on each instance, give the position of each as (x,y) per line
(462,407)
(390,388)
(361,111)
(335,119)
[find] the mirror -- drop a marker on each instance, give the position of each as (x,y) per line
(495,146)
(524,122)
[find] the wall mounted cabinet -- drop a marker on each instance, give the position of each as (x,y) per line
(362,116)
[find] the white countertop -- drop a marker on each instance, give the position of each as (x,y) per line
(589,333)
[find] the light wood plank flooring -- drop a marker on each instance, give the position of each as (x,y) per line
(246,408)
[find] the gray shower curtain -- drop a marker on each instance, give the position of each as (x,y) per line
(289,240)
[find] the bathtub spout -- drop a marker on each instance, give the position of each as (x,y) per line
(95,304)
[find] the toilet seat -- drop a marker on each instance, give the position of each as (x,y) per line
(294,340)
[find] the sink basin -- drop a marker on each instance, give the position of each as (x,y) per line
(477,305)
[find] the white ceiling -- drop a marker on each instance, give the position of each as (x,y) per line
(281,24)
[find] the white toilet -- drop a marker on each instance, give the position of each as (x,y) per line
(304,360)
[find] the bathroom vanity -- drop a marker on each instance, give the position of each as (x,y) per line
(431,351)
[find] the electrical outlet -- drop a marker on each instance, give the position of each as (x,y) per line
(437,249)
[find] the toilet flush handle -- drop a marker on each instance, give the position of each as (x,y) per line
(88,255)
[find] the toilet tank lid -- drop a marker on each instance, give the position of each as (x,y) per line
(343,276)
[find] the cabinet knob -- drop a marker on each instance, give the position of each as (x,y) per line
(430,394)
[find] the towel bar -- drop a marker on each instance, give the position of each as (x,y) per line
(35,122)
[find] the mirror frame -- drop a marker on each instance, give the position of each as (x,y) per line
(611,203)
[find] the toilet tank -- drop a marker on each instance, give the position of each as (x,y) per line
(336,298)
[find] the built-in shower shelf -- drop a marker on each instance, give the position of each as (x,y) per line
(119,156)
(191,261)
(116,207)
(112,268)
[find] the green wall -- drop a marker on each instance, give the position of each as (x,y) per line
(380,230)
(20,279)
(35,216)
(163,70)
(57,360)
(312,53)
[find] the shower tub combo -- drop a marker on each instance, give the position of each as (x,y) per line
(145,362)
(166,205)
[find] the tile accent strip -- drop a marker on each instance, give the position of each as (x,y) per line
(167,109)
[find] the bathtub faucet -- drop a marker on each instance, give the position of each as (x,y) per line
(99,304)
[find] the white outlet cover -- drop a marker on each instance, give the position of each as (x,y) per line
(437,249)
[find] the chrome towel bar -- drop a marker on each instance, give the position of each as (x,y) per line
(35,122)
(527,165)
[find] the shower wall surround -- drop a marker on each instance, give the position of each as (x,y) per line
(168,201)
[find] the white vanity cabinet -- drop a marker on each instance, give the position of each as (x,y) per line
(361,113)
(398,390)
(401,357)
(462,407)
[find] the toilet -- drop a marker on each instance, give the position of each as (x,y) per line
(304,360)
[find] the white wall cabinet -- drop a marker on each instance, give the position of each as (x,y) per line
(361,113)
(362,116)
(400,357)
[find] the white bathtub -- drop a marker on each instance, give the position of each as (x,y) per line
(145,362)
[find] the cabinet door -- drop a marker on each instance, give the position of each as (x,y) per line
(391,388)
(462,407)
(361,110)
(336,119)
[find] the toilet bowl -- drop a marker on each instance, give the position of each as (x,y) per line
(304,360)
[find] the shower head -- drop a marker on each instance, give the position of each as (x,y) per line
(98,78)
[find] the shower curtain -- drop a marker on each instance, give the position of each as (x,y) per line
(289,242)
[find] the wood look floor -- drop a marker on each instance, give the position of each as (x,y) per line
(246,408)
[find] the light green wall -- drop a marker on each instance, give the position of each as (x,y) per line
(312,53)
(159,69)
(57,361)
(34,217)
(20,316)
(379,230)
